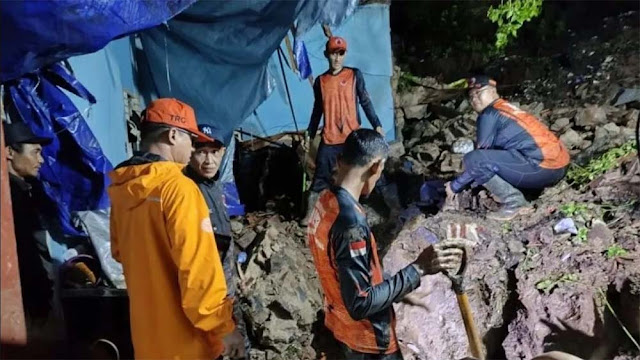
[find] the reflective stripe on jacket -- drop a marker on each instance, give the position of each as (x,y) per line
(358,301)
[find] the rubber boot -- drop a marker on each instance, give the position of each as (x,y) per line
(512,200)
(311,202)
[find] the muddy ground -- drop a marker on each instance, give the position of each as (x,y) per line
(566,277)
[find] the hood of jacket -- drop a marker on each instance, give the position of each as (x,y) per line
(134,180)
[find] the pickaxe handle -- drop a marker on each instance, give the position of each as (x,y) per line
(475,344)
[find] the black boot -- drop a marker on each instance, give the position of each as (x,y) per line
(512,200)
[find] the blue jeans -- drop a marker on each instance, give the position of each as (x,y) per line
(512,166)
(326,161)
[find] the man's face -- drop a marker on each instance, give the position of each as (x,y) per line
(375,171)
(206,160)
(480,98)
(336,59)
(183,145)
(26,163)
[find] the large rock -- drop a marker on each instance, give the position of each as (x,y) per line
(429,324)
(427,152)
(451,162)
(571,139)
(591,116)
(462,146)
(557,286)
(415,112)
(561,124)
(631,118)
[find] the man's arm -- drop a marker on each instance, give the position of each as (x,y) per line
(486,128)
(365,100)
(362,299)
(316,114)
(193,249)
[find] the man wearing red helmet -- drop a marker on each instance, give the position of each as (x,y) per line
(336,92)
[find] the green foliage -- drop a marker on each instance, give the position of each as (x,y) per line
(548,284)
(406,81)
(510,16)
(580,175)
(573,209)
(581,237)
(615,251)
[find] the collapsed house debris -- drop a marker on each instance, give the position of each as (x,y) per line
(279,287)
(564,278)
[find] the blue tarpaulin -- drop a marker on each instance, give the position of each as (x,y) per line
(214,55)
(36,33)
(35,36)
(74,173)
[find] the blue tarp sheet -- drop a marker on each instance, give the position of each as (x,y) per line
(214,55)
(36,33)
(35,36)
(368,37)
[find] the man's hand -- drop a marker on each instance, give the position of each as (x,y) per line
(442,257)
(234,345)
(447,256)
(380,130)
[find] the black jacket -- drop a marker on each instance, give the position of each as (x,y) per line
(34,261)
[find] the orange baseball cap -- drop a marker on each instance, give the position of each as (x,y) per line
(336,43)
(174,113)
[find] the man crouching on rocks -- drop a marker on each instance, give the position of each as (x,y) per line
(358,301)
(514,150)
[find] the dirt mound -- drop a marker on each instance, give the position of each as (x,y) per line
(533,289)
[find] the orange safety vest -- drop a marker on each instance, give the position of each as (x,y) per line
(339,105)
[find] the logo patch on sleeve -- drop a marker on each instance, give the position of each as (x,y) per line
(358,248)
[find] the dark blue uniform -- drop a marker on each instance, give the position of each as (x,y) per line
(516,146)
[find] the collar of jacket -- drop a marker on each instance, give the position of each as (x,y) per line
(22,184)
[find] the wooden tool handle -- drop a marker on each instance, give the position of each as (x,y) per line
(475,344)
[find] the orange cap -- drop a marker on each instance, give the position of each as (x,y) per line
(174,113)
(336,43)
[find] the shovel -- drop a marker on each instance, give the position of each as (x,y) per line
(475,344)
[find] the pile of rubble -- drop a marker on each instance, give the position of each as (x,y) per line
(591,111)
(536,284)
(278,287)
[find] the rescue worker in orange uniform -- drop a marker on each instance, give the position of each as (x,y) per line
(336,93)
(162,234)
(358,301)
(514,150)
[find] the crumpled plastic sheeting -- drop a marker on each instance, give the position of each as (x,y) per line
(331,12)
(74,173)
(96,225)
(214,55)
(36,33)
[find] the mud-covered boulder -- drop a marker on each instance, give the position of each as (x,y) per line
(429,324)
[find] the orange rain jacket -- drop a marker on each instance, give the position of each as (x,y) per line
(162,235)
